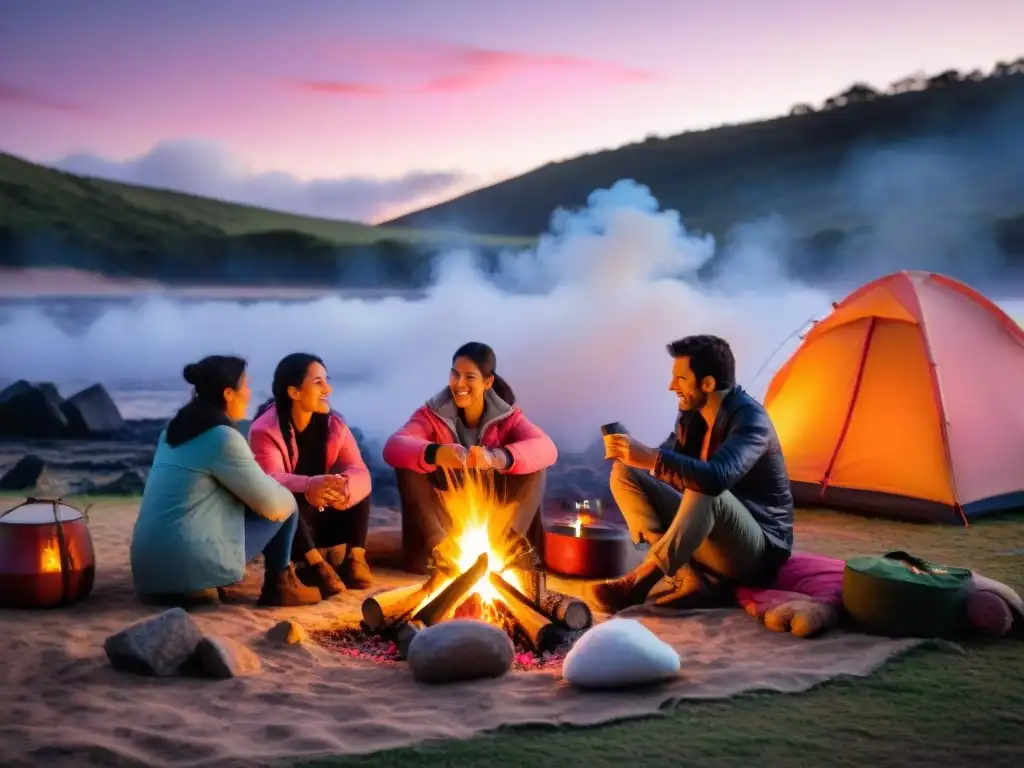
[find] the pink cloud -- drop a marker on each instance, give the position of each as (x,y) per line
(341,88)
(22,97)
(459,69)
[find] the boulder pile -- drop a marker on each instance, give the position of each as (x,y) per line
(39,412)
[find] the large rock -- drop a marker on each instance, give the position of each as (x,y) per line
(460,649)
(221,657)
(32,412)
(287,632)
(156,646)
(19,387)
(92,413)
(23,475)
(620,653)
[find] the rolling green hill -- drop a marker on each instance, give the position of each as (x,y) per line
(51,218)
(34,197)
(798,165)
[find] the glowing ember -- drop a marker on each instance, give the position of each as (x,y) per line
(480,525)
(50,559)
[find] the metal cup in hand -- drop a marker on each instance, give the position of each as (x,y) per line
(613,428)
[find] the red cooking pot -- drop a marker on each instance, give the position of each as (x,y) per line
(47,557)
(594,550)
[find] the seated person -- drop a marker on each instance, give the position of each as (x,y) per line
(304,445)
(208,508)
(715,498)
(473,423)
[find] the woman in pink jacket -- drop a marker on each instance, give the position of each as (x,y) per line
(304,445)
(473,423)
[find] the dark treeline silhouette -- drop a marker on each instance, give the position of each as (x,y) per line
(861,92)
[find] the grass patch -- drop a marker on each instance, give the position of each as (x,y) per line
(929,708)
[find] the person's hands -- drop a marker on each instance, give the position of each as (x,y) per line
(630,452)
(450,457)
(327,491)
(483,458)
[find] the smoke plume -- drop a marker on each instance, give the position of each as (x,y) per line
(579,326)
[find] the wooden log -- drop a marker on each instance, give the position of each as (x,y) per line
(395,604)
(533,583)
(566,609)
(405,632)
(443,605)
(534,626)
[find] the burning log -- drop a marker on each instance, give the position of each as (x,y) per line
(537,628)
(388,607)
(448,599)
(566,609)
(534,583)
(519,552)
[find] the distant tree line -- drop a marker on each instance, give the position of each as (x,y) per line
(861,92)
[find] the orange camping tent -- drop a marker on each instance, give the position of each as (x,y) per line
(906,403)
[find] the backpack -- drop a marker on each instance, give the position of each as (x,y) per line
(900,595)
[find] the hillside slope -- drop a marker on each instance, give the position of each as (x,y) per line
(799,165)
(49,218)
(35,198)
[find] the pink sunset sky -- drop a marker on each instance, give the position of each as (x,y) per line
(365,109)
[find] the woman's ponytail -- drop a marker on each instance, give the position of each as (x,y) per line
(503,390)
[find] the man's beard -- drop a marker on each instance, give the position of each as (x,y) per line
(697,402)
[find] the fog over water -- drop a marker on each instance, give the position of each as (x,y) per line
(579,324)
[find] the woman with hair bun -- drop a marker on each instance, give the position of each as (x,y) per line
(472,424)
(208,508)
(309,449)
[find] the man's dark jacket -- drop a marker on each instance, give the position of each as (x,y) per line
(744,458)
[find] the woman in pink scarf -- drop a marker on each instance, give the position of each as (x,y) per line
(304,445)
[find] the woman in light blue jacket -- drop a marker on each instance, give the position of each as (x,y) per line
(208,508)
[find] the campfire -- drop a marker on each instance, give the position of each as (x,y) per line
(483,570)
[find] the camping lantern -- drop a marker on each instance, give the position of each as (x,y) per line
(46,555)
(586,547)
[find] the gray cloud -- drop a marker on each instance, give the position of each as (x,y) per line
(209,169)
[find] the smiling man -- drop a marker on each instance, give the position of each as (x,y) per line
(714,502)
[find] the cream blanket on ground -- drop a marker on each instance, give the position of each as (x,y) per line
(64,704)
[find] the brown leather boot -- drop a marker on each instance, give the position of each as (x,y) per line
(355,571)
(283,589)
(327,579)
(632,589)
(335,556)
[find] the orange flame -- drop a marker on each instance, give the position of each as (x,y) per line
(479,522)
(582,520)
(49,561)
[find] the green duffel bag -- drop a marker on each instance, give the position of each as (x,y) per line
(899,595)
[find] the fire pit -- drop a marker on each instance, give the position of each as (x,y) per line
(484,570)
(586,547)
